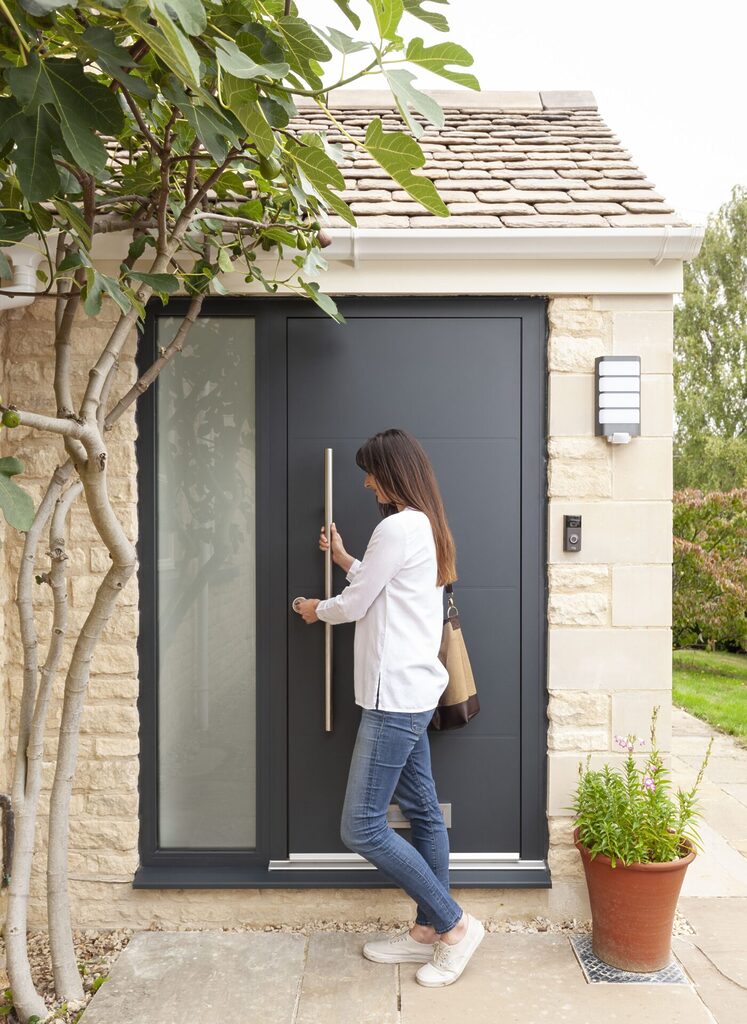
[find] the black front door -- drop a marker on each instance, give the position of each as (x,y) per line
(241,784)
(452,373)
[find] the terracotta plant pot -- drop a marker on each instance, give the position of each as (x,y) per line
(632,908)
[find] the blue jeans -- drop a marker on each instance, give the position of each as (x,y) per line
(392,758)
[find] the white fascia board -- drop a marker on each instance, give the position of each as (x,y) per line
(358,245)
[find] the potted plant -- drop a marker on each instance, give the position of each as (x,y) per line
(636,842)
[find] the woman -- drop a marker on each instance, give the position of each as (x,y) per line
(395,598)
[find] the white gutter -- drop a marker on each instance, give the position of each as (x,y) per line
(362,245)
(25,283)
(359,245)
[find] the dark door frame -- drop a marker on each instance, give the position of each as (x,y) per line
(232,868)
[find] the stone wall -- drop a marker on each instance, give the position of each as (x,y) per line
(609,636)
(609,605)
(104,806)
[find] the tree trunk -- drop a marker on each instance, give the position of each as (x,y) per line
(67,979)
(28,767)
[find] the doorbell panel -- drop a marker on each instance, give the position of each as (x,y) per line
(571,533)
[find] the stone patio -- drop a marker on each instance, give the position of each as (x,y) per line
(292,978)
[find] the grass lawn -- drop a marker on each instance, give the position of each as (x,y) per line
(712,686)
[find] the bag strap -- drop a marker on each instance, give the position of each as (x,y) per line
(451,607)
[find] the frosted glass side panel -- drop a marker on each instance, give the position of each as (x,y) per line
(206,587)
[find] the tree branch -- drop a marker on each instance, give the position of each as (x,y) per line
(147,378)
(152,140)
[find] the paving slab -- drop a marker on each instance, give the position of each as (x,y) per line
(525,978)
(521,977)
(725,999)
(720,931)
(340,984)
(288,978)
(738,790)
(215,977)
(719,871)
(722,769)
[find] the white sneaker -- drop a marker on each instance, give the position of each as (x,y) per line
(400,949)
(449,960)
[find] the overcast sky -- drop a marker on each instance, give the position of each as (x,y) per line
(669,77)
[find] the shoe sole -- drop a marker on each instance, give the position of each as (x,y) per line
(450,981)
(401,958)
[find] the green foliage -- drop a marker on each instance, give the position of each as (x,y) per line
(710,354)
(399,155)
(628,814)
(710,463)
(6,1006)
(167,117)
(709,570)
(17,505)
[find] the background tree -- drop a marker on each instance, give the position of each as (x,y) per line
(170,120)
(710,356)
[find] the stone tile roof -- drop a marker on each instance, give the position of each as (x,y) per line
(508,159)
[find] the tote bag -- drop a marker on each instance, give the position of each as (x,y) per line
(459,702)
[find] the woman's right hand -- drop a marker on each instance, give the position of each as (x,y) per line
(339,554)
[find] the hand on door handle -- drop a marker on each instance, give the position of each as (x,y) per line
(305,606)
(339,555)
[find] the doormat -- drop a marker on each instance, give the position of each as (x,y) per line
(595,970)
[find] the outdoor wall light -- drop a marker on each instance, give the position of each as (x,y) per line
(617,412)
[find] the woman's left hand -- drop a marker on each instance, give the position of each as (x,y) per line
(307,609)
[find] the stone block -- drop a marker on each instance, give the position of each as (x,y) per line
(631,714)
(647,333)
(571,396)
(633,303)
(583,609)
(608,659)
(577,320)
(122,803)
(112,776)
(581,448)
(657,405)
(642,469)
(574,708)
(641,595)
(103,833)
(580,738)
(580,478)
(117,746)
(103,688)
(613,529)
(572,354)
(116,658)
(578,577)
(100,559)
(117,863)
(101,719)
(565,862)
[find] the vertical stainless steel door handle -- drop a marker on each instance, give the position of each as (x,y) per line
(328,589)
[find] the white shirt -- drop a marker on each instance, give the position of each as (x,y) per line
(398,613)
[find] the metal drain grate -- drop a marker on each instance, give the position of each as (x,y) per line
(595,970)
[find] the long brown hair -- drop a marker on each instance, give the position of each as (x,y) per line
(404,472)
